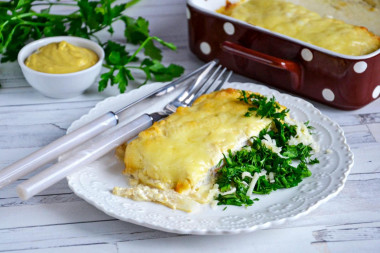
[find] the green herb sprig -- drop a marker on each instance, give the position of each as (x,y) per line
(20,22)
(258,157)
(262,106)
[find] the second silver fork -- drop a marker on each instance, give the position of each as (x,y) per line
(205,83)
(102,145)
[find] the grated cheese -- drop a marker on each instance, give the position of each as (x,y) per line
(271,177)
(233,190)
(271,144)
(303,135)
(256,177)
(246,174)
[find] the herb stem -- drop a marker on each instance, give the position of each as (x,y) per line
(42,15)
(54,4)
(131,3)
(140,48)
(133,67)
(118,66)
(97,39)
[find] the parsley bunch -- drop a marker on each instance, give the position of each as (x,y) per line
(20,22)
(257,158)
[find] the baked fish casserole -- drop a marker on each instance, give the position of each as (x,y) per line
(298,22)
(174,161)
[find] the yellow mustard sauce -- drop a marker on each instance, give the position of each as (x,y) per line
(61,58)
(300,23)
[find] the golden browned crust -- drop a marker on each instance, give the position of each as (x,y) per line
(180,132)
(171,162)
(227,9)
(301,23)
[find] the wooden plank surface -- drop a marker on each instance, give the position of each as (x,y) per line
(58,221)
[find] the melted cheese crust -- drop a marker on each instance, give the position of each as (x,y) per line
(177,153)
(300,23)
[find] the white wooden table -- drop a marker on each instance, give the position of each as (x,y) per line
(58,221)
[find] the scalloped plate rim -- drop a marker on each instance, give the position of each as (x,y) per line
(264,225)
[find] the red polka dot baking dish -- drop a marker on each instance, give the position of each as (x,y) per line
(343,81)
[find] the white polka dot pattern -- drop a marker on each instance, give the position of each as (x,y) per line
(360,67)
(328,95)
(376,92)
(205,48)
(229,28)
(306,54)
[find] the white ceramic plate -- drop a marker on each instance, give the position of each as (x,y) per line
(95,182)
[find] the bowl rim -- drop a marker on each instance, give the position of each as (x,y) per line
(47,40)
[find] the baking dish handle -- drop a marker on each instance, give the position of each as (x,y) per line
(271,61)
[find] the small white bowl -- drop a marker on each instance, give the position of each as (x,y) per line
(61,85)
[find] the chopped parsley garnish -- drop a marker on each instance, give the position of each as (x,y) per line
(262,106)
(237,177)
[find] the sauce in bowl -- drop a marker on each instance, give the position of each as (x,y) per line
(61,58)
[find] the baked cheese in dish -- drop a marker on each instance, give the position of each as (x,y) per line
(300,23)
(171,162)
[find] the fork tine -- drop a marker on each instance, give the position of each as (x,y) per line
(216,80)
(208,87)
(195,86)
(222,82)
(202,88)
(203,84)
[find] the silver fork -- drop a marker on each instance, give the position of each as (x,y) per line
(84,133)
(205,83)
(103,144)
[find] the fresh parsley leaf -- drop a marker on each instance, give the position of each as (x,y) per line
(152,51)
(137,30)
(162,73)
(159,71)
(106,78)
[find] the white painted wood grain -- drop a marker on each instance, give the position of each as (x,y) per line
(28,137)
(348,246)
(94,248)
(366,157)
(58,221)
(9,197)
(374,128)
(100,232)
(46,209)
(48,215)
(270,240)
(358,134)
(45,113)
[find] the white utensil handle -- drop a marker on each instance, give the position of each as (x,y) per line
(93,151)
(56,148)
